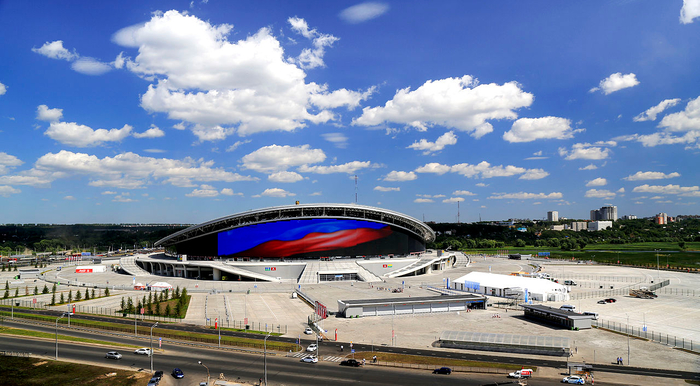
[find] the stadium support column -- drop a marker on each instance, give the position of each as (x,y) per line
(217,274)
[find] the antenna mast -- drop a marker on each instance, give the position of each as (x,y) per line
(355,188)
(457,212)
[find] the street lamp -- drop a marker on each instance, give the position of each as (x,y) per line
(57,319)
(151,353)
(265,356)
(205,366)
(658,272)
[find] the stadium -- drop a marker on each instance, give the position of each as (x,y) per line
(307,243)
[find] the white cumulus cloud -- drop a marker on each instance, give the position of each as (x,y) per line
(230,192)
(597,182)
(8,161)
(686,120)
(616,82)
(3,89)
(236,145)
(690,10)
(275,192)
(668,189)
(386,189)
(338,139)
(588,167)
(428,147)
(311,57)
(55,50)
(531,129)
(285,177)
(364,11)
(526,196)
(459,103)
(44,113)
(452,200)
(422,200)
(434,168)
(90,66)
(483,170)
(595,193)
(652,112)
(350,167)
(400,176)
(73,134)
(203,192)
(6,191)
(463,193)
(595,151)
(642,176)
(278,158)
(153,132)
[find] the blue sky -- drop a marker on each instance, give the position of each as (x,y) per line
(160,112)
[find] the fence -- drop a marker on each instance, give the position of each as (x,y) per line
(618,291)
(644,333)
(241,325)
(468,369)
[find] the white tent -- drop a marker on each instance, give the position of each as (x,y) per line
(509,286)
(161,286)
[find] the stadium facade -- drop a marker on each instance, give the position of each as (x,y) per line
(303,231)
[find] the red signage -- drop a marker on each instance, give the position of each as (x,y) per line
(143,310)
(384,266)
(74,308)
(83,270)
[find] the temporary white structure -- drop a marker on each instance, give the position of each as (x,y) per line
(161,286)
(525,288)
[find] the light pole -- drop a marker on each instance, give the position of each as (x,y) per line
(151,353)
(265,356)
(57,319)
(205,366)
(628,339)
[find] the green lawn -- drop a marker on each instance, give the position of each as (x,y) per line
(32,371)
(39,334)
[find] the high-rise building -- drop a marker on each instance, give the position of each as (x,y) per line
(578,226)
(661,218)
(629,217)
(553,215)
(606,213)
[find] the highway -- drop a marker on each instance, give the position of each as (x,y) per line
(333,348)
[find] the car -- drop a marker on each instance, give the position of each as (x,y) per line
(312,347)
(158,374)
(153,382)
(142,351)
(177,373)
(113,355)
(574,379)
(310,359)
(308,331)
(610,300)
(601,301)
(443,370)
(351,363)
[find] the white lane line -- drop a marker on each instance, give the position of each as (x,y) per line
(268,307)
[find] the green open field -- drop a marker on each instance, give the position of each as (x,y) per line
(32,371)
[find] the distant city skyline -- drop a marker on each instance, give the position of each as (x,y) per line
(186,111)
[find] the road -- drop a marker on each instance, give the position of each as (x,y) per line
(333,348)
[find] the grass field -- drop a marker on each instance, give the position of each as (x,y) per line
(39,334)
(32,371)
(171,334)
(437,362)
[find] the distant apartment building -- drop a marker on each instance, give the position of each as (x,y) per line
(578,226)
(553,215)
(606,213)
(662,218)
(599,225)
(557,227)
(629,217)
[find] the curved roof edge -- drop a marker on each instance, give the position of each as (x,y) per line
(301,211)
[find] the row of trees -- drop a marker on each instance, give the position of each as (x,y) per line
(163,303)
(87,295)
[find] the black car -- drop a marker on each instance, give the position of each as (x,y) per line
(351,363)
(177,373)
(158,374)
(443,370)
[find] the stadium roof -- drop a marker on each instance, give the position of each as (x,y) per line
(302,211)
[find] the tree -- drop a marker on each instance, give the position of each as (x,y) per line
(7,285)
(520,243)
(681,244)
(53,289)
(78,295)
(70,296)
(166,294)
(16,292)
(3,268)
(150,299)
(62,300)
(167,310)
(45,290)
(178,309)
(36,290)
(87,294)
(123,305)
(177,292)
(183,296)
(107,292)
(53,299)
(130,305)
(92,295)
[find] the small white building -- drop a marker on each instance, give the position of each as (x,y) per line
(524,288)
(599,225)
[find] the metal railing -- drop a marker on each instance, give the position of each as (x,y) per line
(645,333)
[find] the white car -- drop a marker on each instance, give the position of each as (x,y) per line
(310,359)
(143,351)
(312,347)
(575,379)
(113,355)
(308,331)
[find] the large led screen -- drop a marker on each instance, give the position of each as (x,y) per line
(312,237)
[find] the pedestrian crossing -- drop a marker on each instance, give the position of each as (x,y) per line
(327,358)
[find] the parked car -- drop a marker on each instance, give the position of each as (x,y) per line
(308,331)
(142,351)
(610,300)
(593,314)
(443,370)
(574,379)
(158,374)
(177,373)
(153,382)
(522,373)
(310,359)
(351,363)
(601,301)
(312,347)
(113,355)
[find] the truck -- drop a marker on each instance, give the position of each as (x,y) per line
(522,373)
